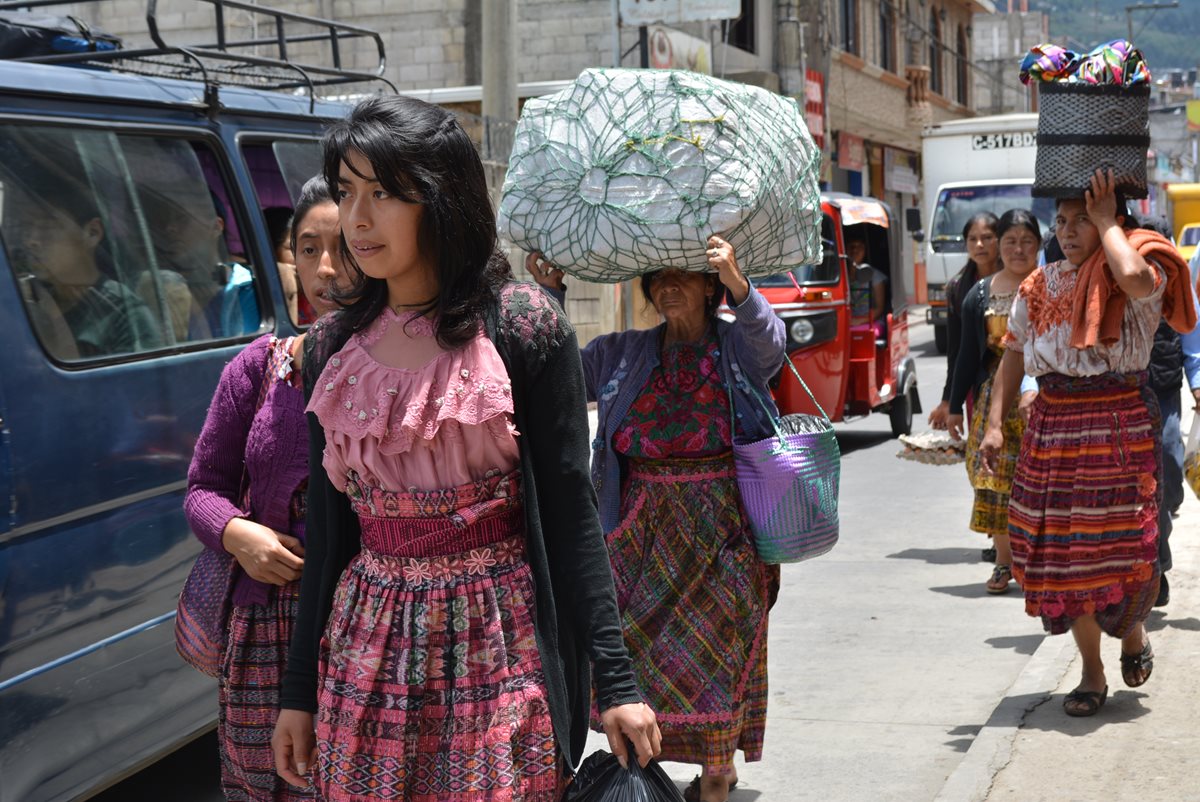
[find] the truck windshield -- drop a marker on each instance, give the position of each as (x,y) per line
(827,272)
(958,205)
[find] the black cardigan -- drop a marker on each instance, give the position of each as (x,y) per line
(973,358)
(956,291)
(576,617)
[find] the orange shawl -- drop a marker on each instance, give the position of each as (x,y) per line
(1099,304)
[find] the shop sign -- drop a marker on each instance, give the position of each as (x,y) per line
(673,12)
(900,171)
(851,151)
(814,105)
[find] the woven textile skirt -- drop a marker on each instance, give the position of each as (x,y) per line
(248,693)
(1084,513)
(431,684)
(989,514)
(694,598)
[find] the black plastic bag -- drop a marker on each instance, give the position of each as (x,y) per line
(601,779)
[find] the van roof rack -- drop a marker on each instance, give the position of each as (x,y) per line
(232,61)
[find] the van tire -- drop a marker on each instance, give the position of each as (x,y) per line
(940,337)
(901,413)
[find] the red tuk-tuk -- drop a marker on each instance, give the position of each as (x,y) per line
(855,362)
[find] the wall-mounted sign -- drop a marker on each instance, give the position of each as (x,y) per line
(814,106)
(673,12)
(900,171)
(851,151)
(674,50)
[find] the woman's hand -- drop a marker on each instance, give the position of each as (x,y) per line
(636,722)
(263,553)
(545,273)
(1025,404)
(954,426)
(722,259)
(1101,200)
(937,418)
(295,746)
(989,448)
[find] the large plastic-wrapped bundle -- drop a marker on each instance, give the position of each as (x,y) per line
(627,171)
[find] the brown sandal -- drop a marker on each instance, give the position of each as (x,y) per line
(1001,580)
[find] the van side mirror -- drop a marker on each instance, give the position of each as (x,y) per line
(912,221)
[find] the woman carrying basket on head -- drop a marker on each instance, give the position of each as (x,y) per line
(693,593)
(1082,519)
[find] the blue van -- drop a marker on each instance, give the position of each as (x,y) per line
(135,262)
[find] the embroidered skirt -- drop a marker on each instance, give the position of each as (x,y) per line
(694,598)
(248,693)
(431,684)
(989,514)
(1084,512)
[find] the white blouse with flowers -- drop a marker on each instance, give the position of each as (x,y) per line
(1039,326)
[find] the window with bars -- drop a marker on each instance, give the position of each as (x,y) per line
(887,36)
(936,82)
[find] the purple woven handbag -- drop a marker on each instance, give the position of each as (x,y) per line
(202,617)
(789,484)
(206,601)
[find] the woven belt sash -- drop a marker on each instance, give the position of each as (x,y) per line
(435,537)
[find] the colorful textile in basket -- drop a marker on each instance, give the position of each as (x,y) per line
(431,681)
(694,598)
(1118,63)
(1084,512)
(249,699)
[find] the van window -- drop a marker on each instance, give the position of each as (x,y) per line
(121,243)
(279,169)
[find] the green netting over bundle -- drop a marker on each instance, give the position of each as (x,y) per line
(627,171)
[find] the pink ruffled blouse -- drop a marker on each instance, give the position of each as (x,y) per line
(403,414)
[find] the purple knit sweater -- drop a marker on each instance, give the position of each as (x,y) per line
(269,448)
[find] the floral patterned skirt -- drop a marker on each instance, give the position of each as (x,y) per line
(989,513)
(431,684)
(1084,512)
(694,599)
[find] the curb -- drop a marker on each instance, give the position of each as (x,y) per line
(992,748)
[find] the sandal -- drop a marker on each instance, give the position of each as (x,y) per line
(1000,581)
(1133,666)
(692,792)
(1080,703)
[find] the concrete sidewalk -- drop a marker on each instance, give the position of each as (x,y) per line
(1144,744)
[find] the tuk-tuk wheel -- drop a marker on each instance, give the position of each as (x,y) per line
(901,414)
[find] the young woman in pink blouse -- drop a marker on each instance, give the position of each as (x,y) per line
(457,596)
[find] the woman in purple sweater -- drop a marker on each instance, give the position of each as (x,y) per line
(246,493)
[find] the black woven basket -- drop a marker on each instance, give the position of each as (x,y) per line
(1085,127)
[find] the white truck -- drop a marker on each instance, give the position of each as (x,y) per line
(981,164)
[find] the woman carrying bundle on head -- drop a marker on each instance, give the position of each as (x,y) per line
(1085,495)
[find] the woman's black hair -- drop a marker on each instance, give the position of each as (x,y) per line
(314,192)
(420,153)
(985,218)
(711,305)
(1014,218)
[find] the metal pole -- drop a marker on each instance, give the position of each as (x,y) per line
(500,59)
(644,46)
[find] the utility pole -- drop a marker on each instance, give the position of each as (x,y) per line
(1143,7)
(500,60)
